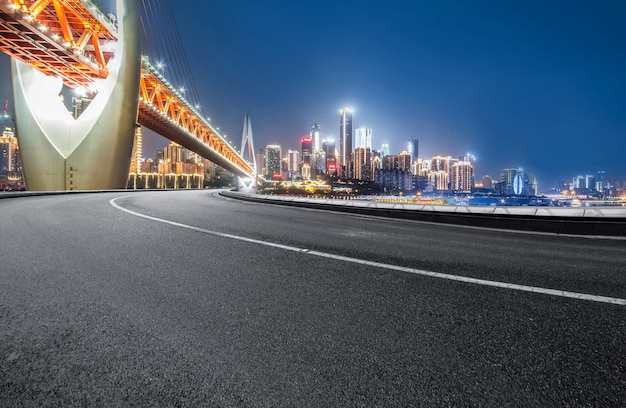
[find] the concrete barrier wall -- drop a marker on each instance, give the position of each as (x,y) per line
(598,221)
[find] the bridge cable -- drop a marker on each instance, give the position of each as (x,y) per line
(169,47)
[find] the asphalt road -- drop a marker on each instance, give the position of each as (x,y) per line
(216,302)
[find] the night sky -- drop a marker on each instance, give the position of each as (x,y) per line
(536,84)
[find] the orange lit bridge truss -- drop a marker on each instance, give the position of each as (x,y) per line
(163,110)
(64,38)
(71,39)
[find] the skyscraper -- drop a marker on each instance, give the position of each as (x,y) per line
(273,157)
(318,156)
(414,149)
(315,136)
(329,148)
(363,138)
(293,160)
(345,142)
(307,145)
(515,181)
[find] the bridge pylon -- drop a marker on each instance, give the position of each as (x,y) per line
(92,151)
(248,184)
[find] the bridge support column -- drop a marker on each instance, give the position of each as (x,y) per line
(248,184)
(92,151)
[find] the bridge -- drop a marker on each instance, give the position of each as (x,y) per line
(72,42)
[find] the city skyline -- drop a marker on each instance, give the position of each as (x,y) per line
(521,84)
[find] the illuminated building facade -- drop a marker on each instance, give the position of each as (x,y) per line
(307,147)
(440,180)
(377,164)
(462,177)
(363,138)
(362,163)
(441,163)
(293,163)
(345,143)
(314,134)
(11,177)
(8,151)
(514,181)
(273,156)
(330,153)
(260,160)
(404,161)
(137,154)
(318,155)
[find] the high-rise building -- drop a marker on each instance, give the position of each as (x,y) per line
(377,164)
(260,160)
(137,154)
(506,180)
(293,162)
(584,182)
(601,183)
(330,152)
(440,163)
(307,145)
(390,162)
(306,172)
(384,148)
(413,149)
(363,138)
(315,136)
(404,161)
(318,156)
(532,188)
(362,163)
(514,181)
(469,158)
(345,142)
(462,177)
(420,167)
(174,153)
(440,180)
(9,151)
(273,157)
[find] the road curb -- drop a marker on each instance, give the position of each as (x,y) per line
(593,223)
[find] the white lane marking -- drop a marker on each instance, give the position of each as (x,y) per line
(484,282)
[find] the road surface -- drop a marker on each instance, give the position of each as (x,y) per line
(186,298)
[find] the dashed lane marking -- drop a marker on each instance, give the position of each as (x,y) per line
(465,279)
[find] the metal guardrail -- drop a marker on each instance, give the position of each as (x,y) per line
(595,221)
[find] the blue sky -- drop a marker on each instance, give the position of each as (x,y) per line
(536,84)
